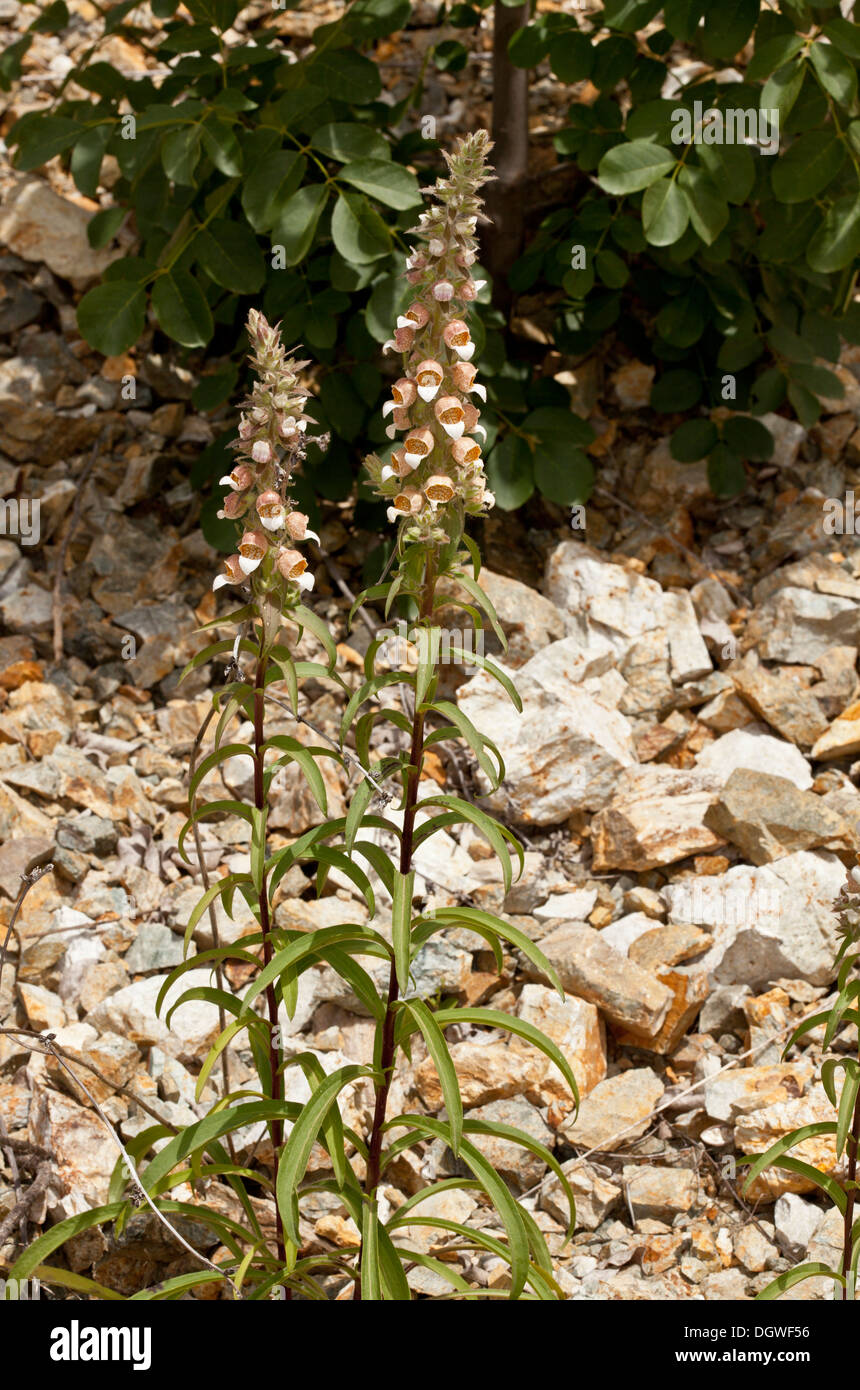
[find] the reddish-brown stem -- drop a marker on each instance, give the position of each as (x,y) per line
(387,1050)
(852,1147)
(277,1125)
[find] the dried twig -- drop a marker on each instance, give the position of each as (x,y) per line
(140,1191)
(27,882)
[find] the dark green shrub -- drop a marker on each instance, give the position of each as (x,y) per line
(732,268)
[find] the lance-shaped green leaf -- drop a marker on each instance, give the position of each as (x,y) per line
(788,1141)
(306,617)
(196,1137)
(488,926)
(371,1286)
(305,758)
(783,1282)
(296,1152)
(477,742)
(401,921)
(470,658)
(332,1125)
(212,808)
(213,759)
(498,835)
(495,1188)
(309,944)
(222,888)
(429,640)
(497,1018)
(437,1047)
(27,1263)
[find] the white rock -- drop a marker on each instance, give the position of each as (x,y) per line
(688,654)
(600,598)
(796,1221)
(572,907)
(769,923)
(757,750)
(565,751)
(625,930)
(131,1012)
(81,952)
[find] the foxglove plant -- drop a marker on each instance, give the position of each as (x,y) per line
(433,482)
(845,1128)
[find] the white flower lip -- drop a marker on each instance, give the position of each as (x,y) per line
(414,459)
(387,472)
(272,523)
(478,390)
(428,392)
(304,581)
(388,407)
(466,352)
(455,429)
(248,563)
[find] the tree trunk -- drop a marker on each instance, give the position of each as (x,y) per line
(506,196)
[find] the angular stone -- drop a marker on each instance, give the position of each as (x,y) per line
(617,1110)
(769,923)
(576,1027)
(787,707)
(565,751)
(155,947)
(656,816)
(659,1194)
(744,1089)
(43,1008)
(754,1251)
(756,751)
(589,968)
(768,817)
(595,1197)
(800,625)
(601,598)
(20,855)
(39,225)
(688,655)
(519,1168)
(486,1072)
(796,1222)
(131,1011)
(757,1129)
(842,737)
(85,1153)
(671,945)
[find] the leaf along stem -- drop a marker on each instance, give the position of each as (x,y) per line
(852,1146)
(388,1049)
(277,1125)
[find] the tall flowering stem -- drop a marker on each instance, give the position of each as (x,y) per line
(269,566)
(433,481)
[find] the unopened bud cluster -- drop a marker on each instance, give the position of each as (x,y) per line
(271,443)
(438,463)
